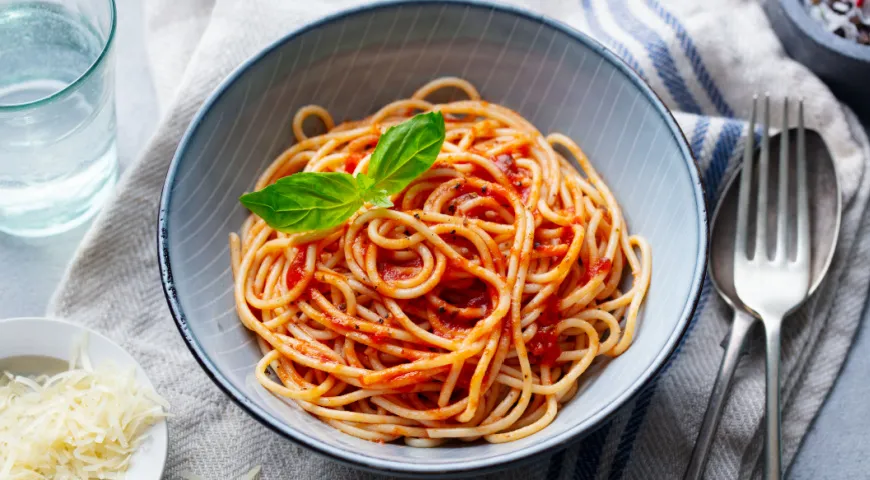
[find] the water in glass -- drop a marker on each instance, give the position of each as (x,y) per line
(58,157)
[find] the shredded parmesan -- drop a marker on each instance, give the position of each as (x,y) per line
(83,423)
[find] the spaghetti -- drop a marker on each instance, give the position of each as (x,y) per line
(468,310)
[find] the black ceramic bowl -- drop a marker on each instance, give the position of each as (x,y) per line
(843,64)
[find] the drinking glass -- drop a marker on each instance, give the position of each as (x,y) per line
(58,157)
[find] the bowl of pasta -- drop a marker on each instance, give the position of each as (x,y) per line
(432,237)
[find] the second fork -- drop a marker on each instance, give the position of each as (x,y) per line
(773,283)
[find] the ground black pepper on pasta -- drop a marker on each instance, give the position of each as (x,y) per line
(436,318)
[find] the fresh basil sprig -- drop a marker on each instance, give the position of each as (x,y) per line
(308,201)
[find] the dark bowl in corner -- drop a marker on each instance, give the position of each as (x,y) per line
(843,64)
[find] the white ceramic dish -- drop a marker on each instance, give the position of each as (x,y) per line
(46,337)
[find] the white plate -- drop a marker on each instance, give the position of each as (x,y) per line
(55,338)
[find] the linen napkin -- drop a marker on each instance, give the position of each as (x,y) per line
(703,58)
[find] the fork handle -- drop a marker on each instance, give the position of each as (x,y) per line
(739,330)
(772,452)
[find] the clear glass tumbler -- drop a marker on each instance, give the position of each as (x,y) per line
(58,157)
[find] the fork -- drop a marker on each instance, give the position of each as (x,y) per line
(773,283)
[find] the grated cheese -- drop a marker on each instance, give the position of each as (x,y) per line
(83,423)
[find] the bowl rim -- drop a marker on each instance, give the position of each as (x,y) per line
(797,13)
(496,462)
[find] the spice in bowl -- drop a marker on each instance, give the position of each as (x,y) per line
(849,19)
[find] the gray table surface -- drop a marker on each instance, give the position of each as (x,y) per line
(837,445)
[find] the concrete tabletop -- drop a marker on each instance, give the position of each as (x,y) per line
(837,445)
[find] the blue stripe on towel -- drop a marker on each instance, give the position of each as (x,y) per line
(724,149)
(658,52)
(644,398)
(589,453)
(694,58)
(591,448)
(731,132)
(698,136)
(603,36)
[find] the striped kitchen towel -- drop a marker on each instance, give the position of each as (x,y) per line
(706,59)
(703,58)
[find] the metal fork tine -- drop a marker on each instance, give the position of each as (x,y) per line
(803,213)
(782,189)
(763,167)
(745,187)
(773,289)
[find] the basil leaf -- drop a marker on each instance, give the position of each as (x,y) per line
(364,182)
(405,151)
(306,201)
(318,200)
(378,198)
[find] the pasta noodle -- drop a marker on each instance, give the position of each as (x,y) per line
(468,310)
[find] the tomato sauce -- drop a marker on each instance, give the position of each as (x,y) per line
(413,308)
(466,188)
(338,324)
(379,338)
(401,271)
(506,164)
(453,270)
(544,347)
(464,294)
(463,381)
(452,326)
(519,181)
(352,161)
(409,378)
(473,294)
(345,326)
(551,314)
(599,266)
(466,191)
(296,271)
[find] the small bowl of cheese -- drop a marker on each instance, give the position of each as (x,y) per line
(73,404)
